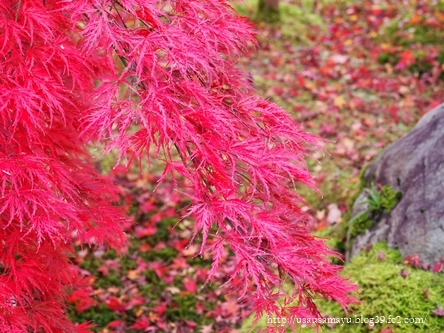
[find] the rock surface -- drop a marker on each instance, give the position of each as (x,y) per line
(413,165)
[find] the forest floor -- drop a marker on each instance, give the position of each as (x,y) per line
(358,75)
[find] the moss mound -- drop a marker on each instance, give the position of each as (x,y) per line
(394,297)
(391,292)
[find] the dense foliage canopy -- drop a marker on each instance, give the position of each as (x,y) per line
(148,78)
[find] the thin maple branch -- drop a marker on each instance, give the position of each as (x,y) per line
(18,9)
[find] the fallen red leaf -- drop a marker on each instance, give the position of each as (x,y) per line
(439,311)
(114,304)
(189,284)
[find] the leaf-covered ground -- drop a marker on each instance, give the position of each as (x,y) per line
(158,285)
(357,73)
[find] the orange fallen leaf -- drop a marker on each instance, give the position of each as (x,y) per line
(133,274)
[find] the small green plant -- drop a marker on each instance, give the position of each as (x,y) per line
(379,202)
(374,200)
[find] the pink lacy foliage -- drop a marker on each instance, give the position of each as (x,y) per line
(137,74)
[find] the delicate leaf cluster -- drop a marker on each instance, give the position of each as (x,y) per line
(136,74)
(50,193)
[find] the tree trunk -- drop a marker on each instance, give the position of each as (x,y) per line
(274,4)
(268,11)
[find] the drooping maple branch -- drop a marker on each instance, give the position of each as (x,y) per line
(239,152)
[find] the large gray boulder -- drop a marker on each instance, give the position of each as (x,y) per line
(413,165)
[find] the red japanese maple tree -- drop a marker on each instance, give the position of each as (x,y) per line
(138,75)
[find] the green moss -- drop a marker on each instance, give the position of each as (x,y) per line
(166,254)
(111,254)
(108,281)
(163,231)
(389,198)
(343,228)
(388,58)
(183,308)
(379,202)
(359,224)
(90,265)
(385,293)
(100,315)
(293,21)
(127,263)
(199,261)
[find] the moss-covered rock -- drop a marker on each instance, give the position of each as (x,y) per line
(414,224)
